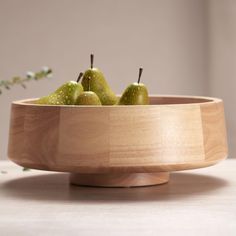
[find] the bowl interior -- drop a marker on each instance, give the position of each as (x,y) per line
(158,100)
(154,100)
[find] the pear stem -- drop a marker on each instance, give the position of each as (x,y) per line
(140,74)
(79,77)
(91,60)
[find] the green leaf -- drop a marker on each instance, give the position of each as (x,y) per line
(23,85)
(25,169)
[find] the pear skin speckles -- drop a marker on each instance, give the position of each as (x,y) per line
(99,85)
(64,95)
(134,94)
(88,98)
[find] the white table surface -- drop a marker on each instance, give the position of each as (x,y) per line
(196,202)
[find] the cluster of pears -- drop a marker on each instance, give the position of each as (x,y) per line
(94,90)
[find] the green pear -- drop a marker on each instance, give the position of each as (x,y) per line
(64,95)
(98,85)
(135,94)
(88,98)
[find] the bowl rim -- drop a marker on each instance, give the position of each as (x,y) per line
(208,100)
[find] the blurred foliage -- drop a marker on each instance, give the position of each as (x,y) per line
(17,80)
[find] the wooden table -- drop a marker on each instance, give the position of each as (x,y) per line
(197,202)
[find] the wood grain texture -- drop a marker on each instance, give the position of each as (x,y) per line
(120,180)
(174,133)
(213,124)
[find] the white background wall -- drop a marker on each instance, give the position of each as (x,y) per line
(178,42)
(222,60)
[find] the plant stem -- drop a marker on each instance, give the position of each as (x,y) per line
(79,77)
(140,74)
(17,80)
(91,60)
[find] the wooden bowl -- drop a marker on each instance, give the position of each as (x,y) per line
(119,145)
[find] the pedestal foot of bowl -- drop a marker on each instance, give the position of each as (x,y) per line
(119,180)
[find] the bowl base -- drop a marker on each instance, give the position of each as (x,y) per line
(119,180)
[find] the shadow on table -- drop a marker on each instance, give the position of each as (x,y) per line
(55,187)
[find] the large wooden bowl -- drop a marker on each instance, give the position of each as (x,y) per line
(119,145)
